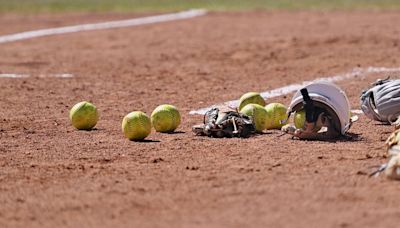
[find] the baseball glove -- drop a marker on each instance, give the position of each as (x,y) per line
(392,168)
(229,124)
(393,144)
(381,101)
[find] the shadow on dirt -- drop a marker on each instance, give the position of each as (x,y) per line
(349,137)
(93,129)
(149,141)
(175,132)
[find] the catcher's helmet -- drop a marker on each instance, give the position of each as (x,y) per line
(329,97)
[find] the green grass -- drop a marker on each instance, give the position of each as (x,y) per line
(29,6)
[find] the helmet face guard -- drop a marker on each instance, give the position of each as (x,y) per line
(325,97)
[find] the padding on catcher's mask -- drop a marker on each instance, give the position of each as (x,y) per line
(331,99)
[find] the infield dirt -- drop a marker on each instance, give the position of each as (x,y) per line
(54,176)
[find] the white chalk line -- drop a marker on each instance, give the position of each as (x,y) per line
(295,87)
(14,75)
(61,75)
(57,75)
(104,25)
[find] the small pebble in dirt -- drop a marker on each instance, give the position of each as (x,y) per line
(105,160)
(361,173)
(20,200)
(344,224)
(157,160)
(276,165)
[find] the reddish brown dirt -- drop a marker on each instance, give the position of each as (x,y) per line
(54,176)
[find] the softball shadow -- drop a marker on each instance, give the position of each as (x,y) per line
(148,141)
(96,129)
(175,132)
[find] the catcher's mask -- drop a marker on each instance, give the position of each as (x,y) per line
(327,96)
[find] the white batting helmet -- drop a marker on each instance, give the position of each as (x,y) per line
(330,97)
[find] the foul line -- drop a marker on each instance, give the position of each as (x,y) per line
(58,75)
(104,25)
(14,75)
(294,87)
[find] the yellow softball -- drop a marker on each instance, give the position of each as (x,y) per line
(277,114)
(165,118)
(251,98)
(299,118)
(258,114)
(136,125)
(84,115)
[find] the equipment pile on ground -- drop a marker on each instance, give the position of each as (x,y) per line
(229,124)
